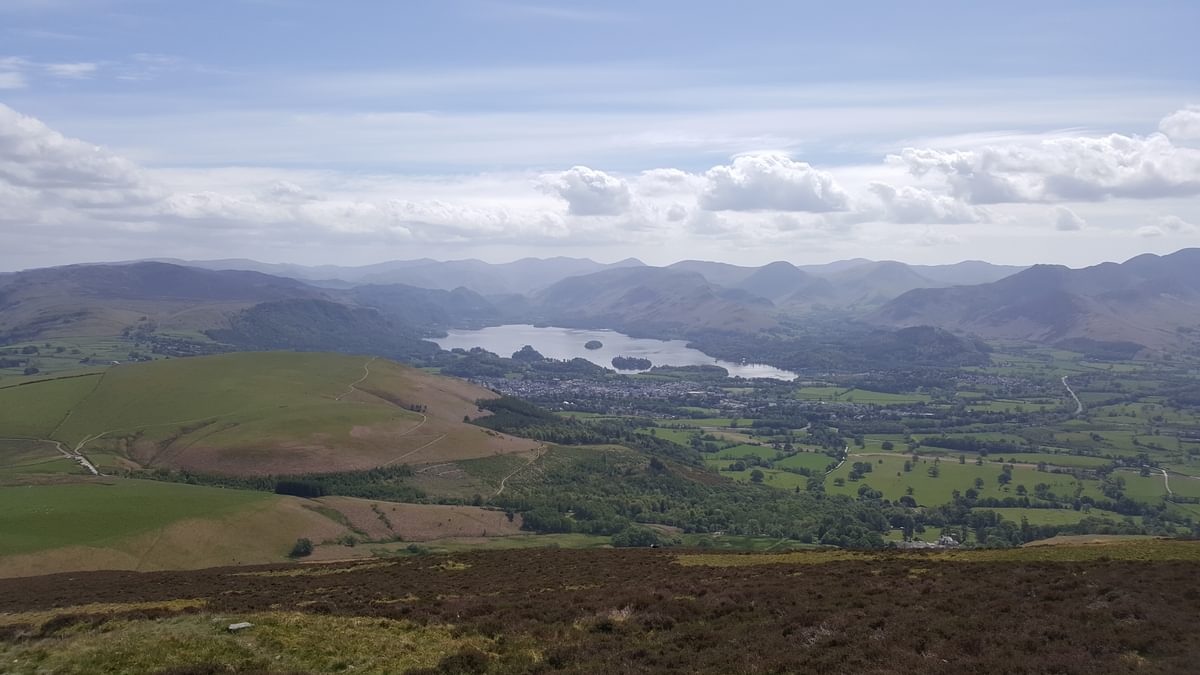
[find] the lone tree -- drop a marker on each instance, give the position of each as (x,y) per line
(756,476)
(303,547)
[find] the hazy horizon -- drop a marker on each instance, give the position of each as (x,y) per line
(551,257)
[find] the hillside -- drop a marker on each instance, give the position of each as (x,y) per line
(1149,300)
(256,414)
(648,300)
(106,299)
(628,611)
(780,281)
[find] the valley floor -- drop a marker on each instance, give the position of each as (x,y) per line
(1122,606)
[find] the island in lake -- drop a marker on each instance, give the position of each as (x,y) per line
(630,363)
(593,344)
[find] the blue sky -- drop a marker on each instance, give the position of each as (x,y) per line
(354,132)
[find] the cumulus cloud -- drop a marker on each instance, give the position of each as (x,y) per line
(1182,125)
(771,182)
(1066,220)
(914,205)
(65,172)
(1161,226)
(589,192)
(1064,169)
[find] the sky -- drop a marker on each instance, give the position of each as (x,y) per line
(357,132)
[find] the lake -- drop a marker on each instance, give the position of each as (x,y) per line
(567,343)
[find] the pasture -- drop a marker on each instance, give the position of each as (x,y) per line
(257,413)
(100,512)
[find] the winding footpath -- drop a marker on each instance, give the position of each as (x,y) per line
(1078,403)
(354,385)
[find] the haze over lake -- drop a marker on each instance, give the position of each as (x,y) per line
(568,343)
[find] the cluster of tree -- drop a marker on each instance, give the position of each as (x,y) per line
(631,363)
(604,493)
(972,444)
(382,483)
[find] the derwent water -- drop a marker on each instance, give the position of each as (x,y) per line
(568,343)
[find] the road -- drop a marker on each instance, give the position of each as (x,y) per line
(1166,482)
(845,456)
(1078,403)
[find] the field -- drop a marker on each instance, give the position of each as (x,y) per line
(1051,516)
(64,523)
(93,513)
(1118,607)
(257,413)
(889,477)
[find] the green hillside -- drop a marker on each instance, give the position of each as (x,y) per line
(254,413)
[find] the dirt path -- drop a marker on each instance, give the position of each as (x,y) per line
(354,385)
(1167,483)
(1078,403)
(72,455)
(413,452)
(503,481)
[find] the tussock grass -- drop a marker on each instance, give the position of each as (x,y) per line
(278,642)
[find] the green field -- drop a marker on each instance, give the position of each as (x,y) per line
(890,478)
(815,461)
(99,351)
(1051,516)
(250,402)
(745,450)
(99,512)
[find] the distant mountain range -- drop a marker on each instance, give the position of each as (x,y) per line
(1149,300)
(529,275)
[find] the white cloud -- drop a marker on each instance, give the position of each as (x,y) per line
(913,205)
(65,172)
(1066,220)
(1182,125)
(71,71)
(1071,168)
(771,182)
(589,192)
(1164,225)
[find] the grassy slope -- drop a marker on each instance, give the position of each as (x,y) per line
(271,412)
(38,517)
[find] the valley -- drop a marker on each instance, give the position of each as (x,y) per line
(308,426)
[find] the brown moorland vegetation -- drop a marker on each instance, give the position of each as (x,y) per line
(1115,608)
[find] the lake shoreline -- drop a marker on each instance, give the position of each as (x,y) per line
(568,343)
